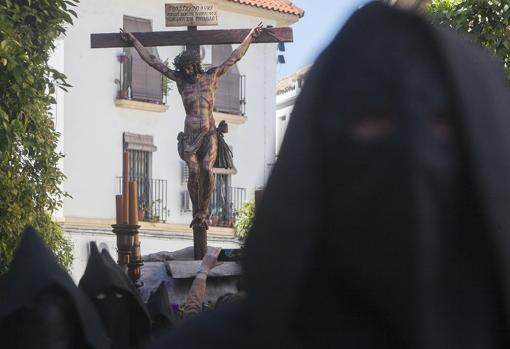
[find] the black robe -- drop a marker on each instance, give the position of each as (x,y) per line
(41,307)
(385,222)
(122,311)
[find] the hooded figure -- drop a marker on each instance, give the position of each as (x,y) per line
(162,314)
(41,307)
(397,158)
(122,311)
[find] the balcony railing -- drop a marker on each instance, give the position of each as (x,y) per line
(224,206)
(152,198)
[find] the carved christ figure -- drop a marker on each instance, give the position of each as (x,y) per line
(198,144)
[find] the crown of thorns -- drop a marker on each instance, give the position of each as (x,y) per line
(186,58)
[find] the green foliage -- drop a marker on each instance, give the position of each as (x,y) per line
(485,21)
(166,83)
(244,220)
(29,176)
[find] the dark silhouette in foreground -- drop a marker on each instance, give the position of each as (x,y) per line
(396,158)
(116,300)
(41,307)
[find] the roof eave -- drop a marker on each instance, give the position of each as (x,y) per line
(281,19)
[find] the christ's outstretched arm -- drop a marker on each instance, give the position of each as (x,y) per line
(238,52)
(196,294)
(148,57)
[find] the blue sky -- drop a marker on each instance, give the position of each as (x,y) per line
(313,32)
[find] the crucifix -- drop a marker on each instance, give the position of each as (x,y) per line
(201,140)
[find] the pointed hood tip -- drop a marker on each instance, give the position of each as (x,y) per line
(102,273)
(35,260)
(29,229)
(107,256)
(159,294)
(161,287)
(94,251)
(31,237)
(32,249)
(158,303)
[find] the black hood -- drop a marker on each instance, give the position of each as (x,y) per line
(384,223)
(134,291)
(117,301)
(100,275)
(388,199)
(33,272)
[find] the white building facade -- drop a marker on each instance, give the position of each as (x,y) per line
(115,104)
(287,92)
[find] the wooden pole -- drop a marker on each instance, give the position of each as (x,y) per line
(135,262)
(125,187)
(118,209)
(133,203)
(199,241)
(193,48)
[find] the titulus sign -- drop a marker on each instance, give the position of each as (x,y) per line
(187,15)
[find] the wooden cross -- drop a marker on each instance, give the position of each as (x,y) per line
(192,37)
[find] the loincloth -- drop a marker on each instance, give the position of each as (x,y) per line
(194,144)
(189,144)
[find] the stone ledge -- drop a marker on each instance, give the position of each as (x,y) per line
(139,105)
(155,228)
(212,237)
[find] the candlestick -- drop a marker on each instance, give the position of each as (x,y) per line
(133,203)
(125,187)
(118,209)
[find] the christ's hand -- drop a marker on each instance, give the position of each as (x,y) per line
(127,36)
(210,259)
(255,32)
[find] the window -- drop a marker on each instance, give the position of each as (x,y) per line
(184,173)
(142,81)
(220,207)
(225,201)
(152,193)
(140,168)
(139,164)
(230,93)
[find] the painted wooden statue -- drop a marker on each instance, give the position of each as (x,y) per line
(200,143)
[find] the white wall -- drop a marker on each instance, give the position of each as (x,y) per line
(284,105)
(94,125)
(56,61)
(282,120)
